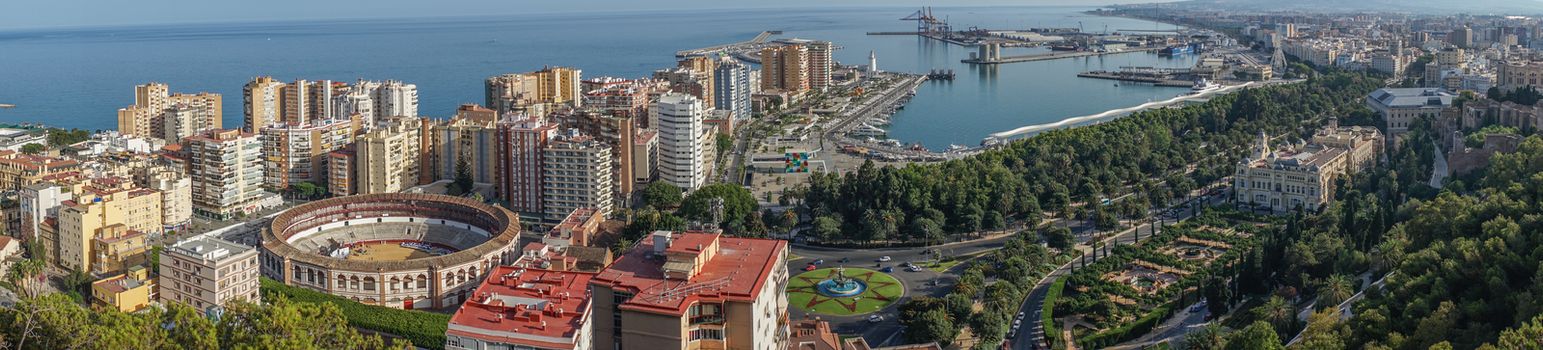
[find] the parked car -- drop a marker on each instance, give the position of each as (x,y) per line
(884,258)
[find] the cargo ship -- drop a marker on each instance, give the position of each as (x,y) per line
(1175,50)
(1179,50)
(1065,48)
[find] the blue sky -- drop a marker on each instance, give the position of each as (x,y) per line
(23,14)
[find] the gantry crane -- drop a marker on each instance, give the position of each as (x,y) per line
(926,23)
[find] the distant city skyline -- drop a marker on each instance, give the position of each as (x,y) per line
(29,14)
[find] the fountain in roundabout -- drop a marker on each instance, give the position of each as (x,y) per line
(839,285)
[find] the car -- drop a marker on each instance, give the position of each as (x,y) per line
(1021,314)
(875,318)
(818,262)
(887,269)
(810,267)
(914,269)
(844,260)
(1017,322)
(884,258)
(907,264)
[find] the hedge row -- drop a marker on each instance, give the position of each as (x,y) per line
(423,329)
(1047,314)
(1130,330)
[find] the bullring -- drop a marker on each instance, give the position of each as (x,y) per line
(401,250)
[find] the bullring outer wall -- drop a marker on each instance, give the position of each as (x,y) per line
(433,282)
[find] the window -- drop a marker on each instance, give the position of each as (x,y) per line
(706,334)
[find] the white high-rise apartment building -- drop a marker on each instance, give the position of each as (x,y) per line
(731,84)
(227,171)
(396,99)
(679,120)
(375,101)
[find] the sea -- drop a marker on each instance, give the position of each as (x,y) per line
(79,77)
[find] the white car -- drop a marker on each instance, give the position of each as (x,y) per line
(884,258)
(914,269)
(875,318)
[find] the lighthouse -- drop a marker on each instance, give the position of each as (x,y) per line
(873,62)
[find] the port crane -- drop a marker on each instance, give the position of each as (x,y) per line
(926,23)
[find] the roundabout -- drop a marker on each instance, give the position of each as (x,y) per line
(843,291)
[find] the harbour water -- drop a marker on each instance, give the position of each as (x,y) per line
(78,78)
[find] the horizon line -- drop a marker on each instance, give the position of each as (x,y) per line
(5,29)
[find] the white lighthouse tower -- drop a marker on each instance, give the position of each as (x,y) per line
(873,62)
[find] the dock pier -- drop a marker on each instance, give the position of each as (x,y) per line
(759,39)
(1136,78)
(988,59)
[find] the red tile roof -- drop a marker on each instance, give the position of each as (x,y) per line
(736,273)
(526,306)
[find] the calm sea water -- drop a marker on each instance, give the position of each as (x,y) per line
(78,78)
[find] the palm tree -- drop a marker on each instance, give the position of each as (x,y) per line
(24,276)
(1335,290)
(1277,312)
(1212,337)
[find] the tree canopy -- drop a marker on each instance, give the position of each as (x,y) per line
(54,321)
(1155,153)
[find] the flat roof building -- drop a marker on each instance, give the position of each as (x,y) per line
(205,272)
(525,308)
(1399,107)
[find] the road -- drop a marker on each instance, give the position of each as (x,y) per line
(887,332)
(1034,336)
(1439,170)
(1170,331)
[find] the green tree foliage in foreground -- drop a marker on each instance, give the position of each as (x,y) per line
(1465,268)
(55,322)
(1058,170)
